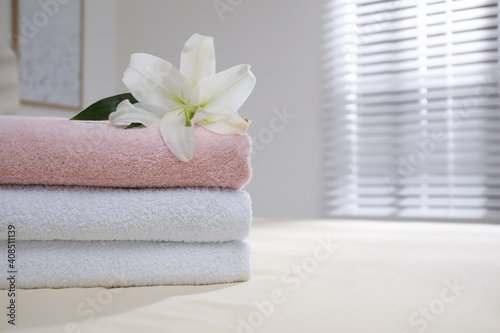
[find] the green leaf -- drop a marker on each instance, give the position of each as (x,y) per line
(132,125)
(100,110)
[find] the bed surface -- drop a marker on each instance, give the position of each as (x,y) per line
(309,276)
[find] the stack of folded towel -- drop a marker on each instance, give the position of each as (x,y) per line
(94,205)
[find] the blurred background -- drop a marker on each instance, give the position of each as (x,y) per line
(362,109)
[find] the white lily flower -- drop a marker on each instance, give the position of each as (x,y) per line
(177,100)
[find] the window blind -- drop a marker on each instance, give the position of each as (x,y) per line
(411,101)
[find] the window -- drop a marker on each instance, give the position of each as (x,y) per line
(412,114)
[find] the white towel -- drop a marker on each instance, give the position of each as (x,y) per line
(68,264)
(91,213)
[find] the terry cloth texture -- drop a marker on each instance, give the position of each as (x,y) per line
(96,213)
(56,151)
(72,264)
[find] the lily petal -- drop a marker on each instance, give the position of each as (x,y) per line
(155,81)
(224,92)
(198,58)
(127,113)
(232,124)
(178,137)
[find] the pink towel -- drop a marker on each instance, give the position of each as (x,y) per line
(56,151)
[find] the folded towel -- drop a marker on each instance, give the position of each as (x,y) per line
(93,213)
(68,264)
(55,151)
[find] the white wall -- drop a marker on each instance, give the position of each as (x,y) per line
(279,38)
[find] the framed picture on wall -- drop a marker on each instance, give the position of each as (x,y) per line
(48,39)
